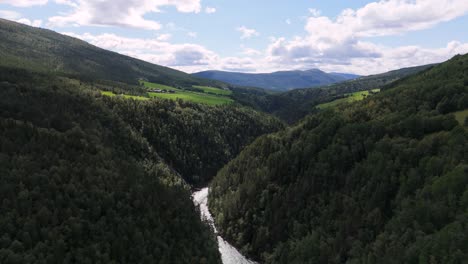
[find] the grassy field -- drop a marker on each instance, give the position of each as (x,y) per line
(461,116)
(159,86)
(357,96)
(194,97)
(214,97)
(213,90)
(111,94)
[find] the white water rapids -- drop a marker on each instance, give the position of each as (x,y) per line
(229,254)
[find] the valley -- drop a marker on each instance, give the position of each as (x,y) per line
(105,158)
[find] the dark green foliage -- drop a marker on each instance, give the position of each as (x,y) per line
(294,105)
(44,50)
(78,185)
(384,180)
(197,140)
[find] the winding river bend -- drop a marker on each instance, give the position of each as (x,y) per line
(229,254)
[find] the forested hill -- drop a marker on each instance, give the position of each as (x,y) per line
(36,49)
(293,105)
(91,178)
(79,185)
(383,180)
(277,81)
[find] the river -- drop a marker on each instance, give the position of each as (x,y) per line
(229,254)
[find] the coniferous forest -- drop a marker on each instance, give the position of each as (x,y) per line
(384,180)
(78,185)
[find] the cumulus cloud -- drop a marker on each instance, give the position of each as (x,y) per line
(210,10)
(247,33)
(34,23)
(314,12)
(15,16)
(152,50)
(384,18)
(123,13)
(250,52)
(164,37)
(11,15)
(192,34)
(24,3)
(342,41)
(187,57)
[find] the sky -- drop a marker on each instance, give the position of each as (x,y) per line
(350,36)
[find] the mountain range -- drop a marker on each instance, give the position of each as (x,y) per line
(278,81)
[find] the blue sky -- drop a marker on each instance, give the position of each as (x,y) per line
(356,36)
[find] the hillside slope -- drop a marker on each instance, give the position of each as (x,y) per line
(26,47)
(78,185)
(277,81)
(383,180)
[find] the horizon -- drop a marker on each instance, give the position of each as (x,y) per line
(362,38)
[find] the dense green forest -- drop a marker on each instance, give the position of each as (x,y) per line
(102,162)
(294,105)
(79,185)
(195,139)
(384,180)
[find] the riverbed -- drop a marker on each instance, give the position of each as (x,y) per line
(229,254)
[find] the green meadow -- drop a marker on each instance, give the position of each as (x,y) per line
(213,90)
(212,96)
(352,97)
(111,94)
(194,97)
(159,86)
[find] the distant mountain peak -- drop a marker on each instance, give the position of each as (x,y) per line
(280,80)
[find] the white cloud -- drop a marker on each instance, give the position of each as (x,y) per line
(187,57)
(210,10)
(383,18)
(333,44)
(15,16)
(152,50)
(250,51)
(190,57)
(247,33)
(288,21)
(192,34)
(24,3)
(66,2)
(123,13)
(164,37)
(11,15)
(314,12)
(341,42)
(34,23)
